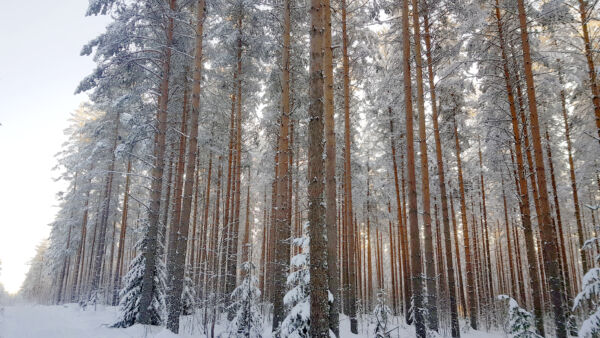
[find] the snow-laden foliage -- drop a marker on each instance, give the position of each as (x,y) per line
(248,319)
(129,304)
(188,296)
(519,323)
(297,322)
(587,301)
(381,316)
(589,295)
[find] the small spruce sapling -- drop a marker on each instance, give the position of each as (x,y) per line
(381,316)
(587,300)
(129,297)
(519,322)
(248,320)
(188,296)
(297,322)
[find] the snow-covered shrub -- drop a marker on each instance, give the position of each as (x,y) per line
(588,298)
(297,322)
(520,322)
(188,296)
(129,297)
(381,316)
(248,320)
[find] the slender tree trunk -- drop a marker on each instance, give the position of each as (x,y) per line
(472,300)
(330,181)
(486,243)
(184,220)
(96,279)
(122,234)
(522,182)
(348,175)
(455,328)
(589,56)
(174,229)
(429,252)
(564,267)
(574,190)
(415,244)
(282,226)
(79,262)
(401,227)
(549,237)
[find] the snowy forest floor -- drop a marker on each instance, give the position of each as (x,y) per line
(70,321)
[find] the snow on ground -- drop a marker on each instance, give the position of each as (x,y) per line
(70,321)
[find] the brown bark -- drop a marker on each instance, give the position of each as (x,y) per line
(122,234)
(392,262)
(174,228)
(431,281)
(549,237)
(319,308)
(472,300)
(403,241)
(415,242)
(102,226)
(330,181)
(348,175)
(184,220)
(522,183)
(455,328)
(150,252)
(282,226)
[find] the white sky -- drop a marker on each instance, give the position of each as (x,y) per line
(40,67)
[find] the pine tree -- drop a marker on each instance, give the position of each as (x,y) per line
(129,304)
(247,321)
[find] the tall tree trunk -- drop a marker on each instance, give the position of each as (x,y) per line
(184,220)
(472,300)
(549,237)
(461,290)
(282,226)
(429,252)
(348,175)
(151,249)
(589,56)
(522,182)
(574,190)
(330,181)
(93,296)
(564,267)
(174,229)
(319,307)
(403,241)
(122,234)
(415,239)
(486,243)
(79,262)
(455,328)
